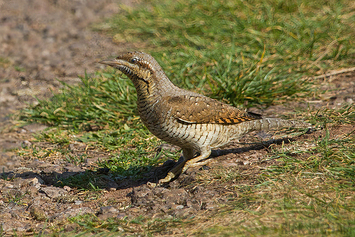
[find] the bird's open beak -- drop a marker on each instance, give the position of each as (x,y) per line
(111,63)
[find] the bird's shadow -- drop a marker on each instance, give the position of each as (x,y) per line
(160,172)
(108,179)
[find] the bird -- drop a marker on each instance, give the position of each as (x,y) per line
(192,121)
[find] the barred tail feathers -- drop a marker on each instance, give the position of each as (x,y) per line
(266,124)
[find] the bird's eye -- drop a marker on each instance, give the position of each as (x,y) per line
(134,60)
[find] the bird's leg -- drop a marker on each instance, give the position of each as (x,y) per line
(197,161)
(187,154)
(189,161)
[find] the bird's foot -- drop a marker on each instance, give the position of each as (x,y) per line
(167,178)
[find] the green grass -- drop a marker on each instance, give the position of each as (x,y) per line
(99,101)
(241,51)
(246,53)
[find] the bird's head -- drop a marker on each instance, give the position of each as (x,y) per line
(136,65)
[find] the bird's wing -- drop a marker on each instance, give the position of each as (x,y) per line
(200,109)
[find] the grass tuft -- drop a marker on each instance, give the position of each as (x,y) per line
(103,100)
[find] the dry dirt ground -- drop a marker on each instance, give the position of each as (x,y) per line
(41,40)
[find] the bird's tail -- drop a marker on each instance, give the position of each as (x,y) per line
(266,124)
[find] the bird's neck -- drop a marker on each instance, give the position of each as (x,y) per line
(153,88)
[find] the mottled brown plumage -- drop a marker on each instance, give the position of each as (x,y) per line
(187,119)
(200,109)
